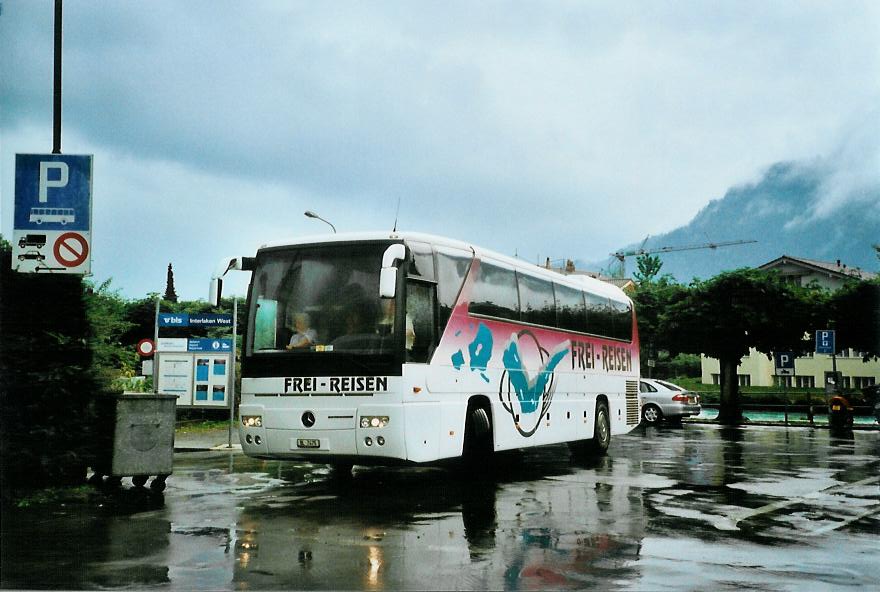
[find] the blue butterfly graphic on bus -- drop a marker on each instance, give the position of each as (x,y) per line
(533,393)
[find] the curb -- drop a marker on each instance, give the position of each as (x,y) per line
(209,448)
(780,424)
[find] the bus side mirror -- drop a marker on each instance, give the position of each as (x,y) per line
(387,282)
(388,274)
(216,289)
(215,292)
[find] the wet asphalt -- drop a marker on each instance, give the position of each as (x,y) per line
(691,507)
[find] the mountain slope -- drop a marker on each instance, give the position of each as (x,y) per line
(803,210)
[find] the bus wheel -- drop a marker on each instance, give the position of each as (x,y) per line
(477,435)
(602,430)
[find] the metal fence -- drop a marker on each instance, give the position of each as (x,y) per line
(799,414)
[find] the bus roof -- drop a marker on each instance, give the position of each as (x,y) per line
(582,282)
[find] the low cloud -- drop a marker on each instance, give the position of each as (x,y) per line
(849,173)
(853,169)
(557,130)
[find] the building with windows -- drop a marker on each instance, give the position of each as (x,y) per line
(804,272)
(810,371)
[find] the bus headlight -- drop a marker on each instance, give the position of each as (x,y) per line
(252,421)
(374,421)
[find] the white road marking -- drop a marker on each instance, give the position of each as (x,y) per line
(730,521)
(851,519)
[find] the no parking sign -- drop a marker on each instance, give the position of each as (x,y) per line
(71,249)
(53,213)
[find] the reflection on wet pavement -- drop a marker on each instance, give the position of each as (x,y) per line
(692,507)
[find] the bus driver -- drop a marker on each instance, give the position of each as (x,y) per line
(305,335)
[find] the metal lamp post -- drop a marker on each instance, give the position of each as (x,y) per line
(311,214)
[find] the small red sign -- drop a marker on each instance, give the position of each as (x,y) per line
(71,249)
(146,347)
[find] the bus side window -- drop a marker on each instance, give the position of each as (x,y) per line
(536,300)
(420,326)
(599,316)
(495,293)
(421,260)
(452,269)
(570,309)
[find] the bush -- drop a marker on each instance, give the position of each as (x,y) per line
(46,379)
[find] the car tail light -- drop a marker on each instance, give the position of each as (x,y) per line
(680,397)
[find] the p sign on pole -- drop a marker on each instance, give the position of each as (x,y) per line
(52,223)
(784,362)
(825,341)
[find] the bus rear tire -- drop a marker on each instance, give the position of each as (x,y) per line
(601,430)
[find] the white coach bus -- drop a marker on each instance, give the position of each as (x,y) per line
(378,348)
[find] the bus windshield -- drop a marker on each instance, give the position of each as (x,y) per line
(321,299)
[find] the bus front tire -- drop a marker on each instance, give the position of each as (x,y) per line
(477,436)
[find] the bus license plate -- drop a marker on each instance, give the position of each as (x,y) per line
(308,443)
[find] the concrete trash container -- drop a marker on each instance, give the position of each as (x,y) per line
(140,442)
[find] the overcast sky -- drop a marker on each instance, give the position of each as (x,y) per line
(560,129)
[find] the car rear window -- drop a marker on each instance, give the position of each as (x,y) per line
(669,385)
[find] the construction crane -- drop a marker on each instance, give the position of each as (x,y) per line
(622,255)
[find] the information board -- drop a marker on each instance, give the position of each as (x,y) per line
(196,379)
(175,376)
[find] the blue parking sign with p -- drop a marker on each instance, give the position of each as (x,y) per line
(53,191)
(825,341)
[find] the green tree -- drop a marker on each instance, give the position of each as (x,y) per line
(107,313)
(653,301)
(854,312)
(141,316)
(725,316)
(170,292)
(649,267)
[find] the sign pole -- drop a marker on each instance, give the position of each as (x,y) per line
(56,127)
(156,341)
(785,396)
(232,369)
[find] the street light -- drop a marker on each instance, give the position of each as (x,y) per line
(311,214)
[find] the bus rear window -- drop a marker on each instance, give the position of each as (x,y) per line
(621,313)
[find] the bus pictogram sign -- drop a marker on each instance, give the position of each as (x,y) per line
(52,218)
(71,249)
